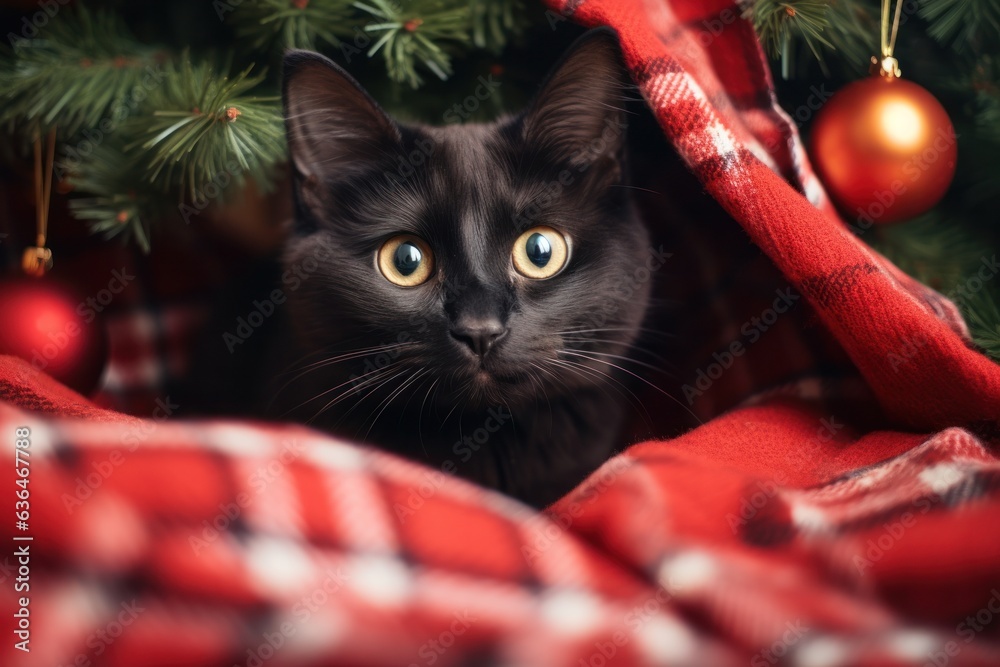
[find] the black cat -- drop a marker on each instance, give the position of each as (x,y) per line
(459,307)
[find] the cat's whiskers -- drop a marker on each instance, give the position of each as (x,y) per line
(378,381)
(389,399)
(609,341)
(346,356)
(647,330)
(360,381)
(434,398)
(541,389)
(415,391)
(420,415)
(601,376)
(612,356)
(453,408)
(636,187)
(399,373)
(375,349)
(638,377)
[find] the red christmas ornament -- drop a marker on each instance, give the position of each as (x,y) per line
(885,149)
(54,331)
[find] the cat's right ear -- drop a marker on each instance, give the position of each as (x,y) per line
(334,128)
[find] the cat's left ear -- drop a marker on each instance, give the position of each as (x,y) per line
(334,127)
(579,113)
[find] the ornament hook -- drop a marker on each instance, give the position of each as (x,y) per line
(37,259)
(888,66)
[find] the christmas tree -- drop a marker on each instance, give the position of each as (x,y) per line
(162,109)
(951,47)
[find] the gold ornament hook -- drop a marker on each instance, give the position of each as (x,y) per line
(37,259)
(887,65)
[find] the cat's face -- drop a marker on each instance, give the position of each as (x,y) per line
(485,258)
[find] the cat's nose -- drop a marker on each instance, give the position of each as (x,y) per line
(479,334)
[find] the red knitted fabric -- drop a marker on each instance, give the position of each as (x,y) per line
(799,527)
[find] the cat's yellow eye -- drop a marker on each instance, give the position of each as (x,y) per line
(405,260)
(540,253)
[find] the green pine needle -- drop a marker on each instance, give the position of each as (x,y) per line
(83,69)
(204,129)
(493,21)
(845,26)
(941,252)
(960,22)
(114,208)
(269,24)
(406,36)
(778,22)
(983,317)
(853,31)
(936,250)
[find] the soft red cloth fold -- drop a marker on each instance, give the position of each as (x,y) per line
(790,529)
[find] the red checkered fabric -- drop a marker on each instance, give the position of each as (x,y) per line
(837,509)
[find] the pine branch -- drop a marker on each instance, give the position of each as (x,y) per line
(942,252)
(406,36)
(974,92)
(82,70)
(202,127)
(983,316)
(961,22)
(197,138)
(853,32)
(985,81)
(845,26)
(493,21)
(115,208)
(777,22)
(297,24)
(936,249)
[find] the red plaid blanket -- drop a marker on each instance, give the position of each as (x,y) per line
(839,518)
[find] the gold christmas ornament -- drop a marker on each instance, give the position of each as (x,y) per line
(884,148)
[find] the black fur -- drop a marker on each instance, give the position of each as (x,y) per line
(530,418)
